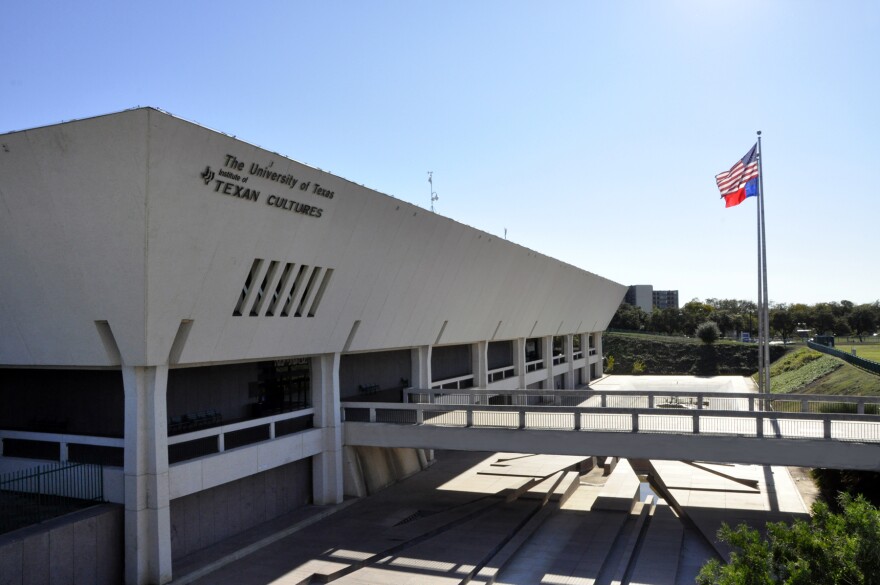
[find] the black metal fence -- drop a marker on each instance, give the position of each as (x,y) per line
(37,494)
(868,365)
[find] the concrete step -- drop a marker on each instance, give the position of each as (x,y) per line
(658,556)
(558,490)
(489,572)
(450,556)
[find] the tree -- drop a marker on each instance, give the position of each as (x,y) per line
(831,549)
(863,319)
(823,319)
(665,321)
(726,321)
(629,317)
(693,313)
(802,315)
(708,332)
(782,321)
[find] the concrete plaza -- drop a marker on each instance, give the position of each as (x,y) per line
(512,519)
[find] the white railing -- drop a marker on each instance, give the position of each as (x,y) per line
(63,440)
(757,424)
(592,351)
(220,431)
(454,383)
(501,373)
(559,359)
(666,399)
(578,354)
(535,365)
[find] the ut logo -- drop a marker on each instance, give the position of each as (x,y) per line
(207,175)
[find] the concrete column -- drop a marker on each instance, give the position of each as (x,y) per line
(597,341)
(421,367)
(327,472)
(519,360)
(147,502)
(480,363)
(547,354)
(568,344)
(585,349)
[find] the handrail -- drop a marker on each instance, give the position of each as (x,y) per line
(634,415)
(63,438)
(491,374)
(535,365)
(607,410)
(640,394)
(238,426)
(457,380)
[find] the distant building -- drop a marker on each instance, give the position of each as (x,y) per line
(640,295)
(645,297)
(666,299)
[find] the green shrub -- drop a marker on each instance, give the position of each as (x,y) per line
(638,367)
(708,332)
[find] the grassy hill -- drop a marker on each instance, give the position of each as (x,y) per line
(795,370)
(804,371)
(655,354)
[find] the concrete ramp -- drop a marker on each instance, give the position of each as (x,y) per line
(657,562)
(621,490)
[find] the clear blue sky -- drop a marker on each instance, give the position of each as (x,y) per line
(592,131)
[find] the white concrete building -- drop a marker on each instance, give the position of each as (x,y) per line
(189,310)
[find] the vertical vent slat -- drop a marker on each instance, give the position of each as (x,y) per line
(263,292)
(328,273)
(281,289)
(294,292)
(277,288)
(308,290)
(248,288)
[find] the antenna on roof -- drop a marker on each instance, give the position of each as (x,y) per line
(434,196)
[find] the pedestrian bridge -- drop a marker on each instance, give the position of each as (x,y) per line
(839,432)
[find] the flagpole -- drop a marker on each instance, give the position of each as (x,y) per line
(760,305)
(764,267)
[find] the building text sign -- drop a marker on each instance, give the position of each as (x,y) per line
(233,179)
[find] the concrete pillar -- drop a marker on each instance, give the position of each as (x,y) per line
(547,354)
(480,363)
(568,346)
(421,367)
(327,471)
(597,342)
(585,351)
(147,502)
(519,360)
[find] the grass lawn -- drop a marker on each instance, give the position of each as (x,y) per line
(869,351)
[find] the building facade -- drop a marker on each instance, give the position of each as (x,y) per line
(190,310)
(665,299)
(640,295)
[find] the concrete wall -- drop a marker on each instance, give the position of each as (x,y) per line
(371,469)
(82,548)
(500,354)
(450,361)
(385,368)
(209,516)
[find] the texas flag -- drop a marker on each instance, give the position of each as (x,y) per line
(741,180)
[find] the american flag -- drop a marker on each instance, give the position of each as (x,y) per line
(735,184)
